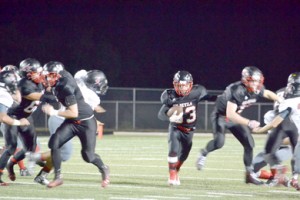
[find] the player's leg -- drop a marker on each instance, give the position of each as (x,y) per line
(63,134)
(87,135)
(27,135)
(185,148)
(218,141)
(259,163)
(10,138)
(243,135)
(272,145)
(41,177)
(173,146)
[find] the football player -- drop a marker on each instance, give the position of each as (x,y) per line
(16,100)
(92,84)
(182,126)
(226,115)
(31,89)
(286,123)
(79,121)
(283,153)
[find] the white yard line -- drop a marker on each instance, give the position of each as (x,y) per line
(39,198)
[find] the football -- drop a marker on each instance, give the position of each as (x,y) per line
(173,109)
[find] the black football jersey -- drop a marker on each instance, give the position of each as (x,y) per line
(68,93)
(237,93)
(26,107)
(189,103)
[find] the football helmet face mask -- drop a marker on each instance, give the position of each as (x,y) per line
(183,83)
(8,80)
(51,73)
(96,81)
(32,69)
(293,85)
(253,79)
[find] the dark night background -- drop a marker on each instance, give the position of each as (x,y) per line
(143,43)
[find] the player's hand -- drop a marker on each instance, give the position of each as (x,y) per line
(24,122)
(99,109)
(176,118)
(252,124)
(48,109)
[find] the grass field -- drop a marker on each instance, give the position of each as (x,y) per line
(139,171)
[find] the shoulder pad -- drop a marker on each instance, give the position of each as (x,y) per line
(167,96)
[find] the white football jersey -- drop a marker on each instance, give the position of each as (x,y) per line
(294,104)
(90,97)
(5,98)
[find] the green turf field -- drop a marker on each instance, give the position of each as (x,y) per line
(139,171)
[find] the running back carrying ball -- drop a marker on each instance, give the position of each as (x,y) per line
(178,110)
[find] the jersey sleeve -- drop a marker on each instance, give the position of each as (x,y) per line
(166,97)
(203,93)
(26,87)
(66,95)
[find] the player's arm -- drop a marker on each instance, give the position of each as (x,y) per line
(70,112)
(275,122)
(13,122)
(35,96)
(99,109)
(162,113)
(268,94)
(234,116)
(10,121)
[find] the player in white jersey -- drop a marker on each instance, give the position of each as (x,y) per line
(8,94)
(283,153)
(91,84)
(286,123)
(8,100)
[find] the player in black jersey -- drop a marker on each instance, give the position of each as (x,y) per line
(31,89)
(226,115)
(79,121)
(181,127)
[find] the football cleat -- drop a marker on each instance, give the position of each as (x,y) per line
(252,178)
(56,182)
(294,183)
(10,170)
(105,172)
(3,183)
(24,172)
(272,182)
(173,178)
(41,180)
(200,162)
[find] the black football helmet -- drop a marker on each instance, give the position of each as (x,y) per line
(183,83)
(8,80)
(293,85)
(51,72)
(96,81)
(32,69)
(253,79)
